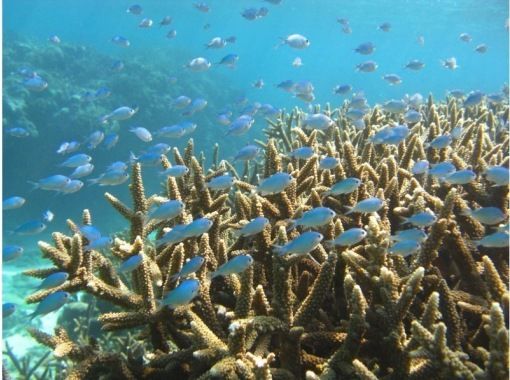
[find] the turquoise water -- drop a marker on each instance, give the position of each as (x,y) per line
(86,28)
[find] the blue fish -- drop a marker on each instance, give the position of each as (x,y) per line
(31,227)
(191,266)
(52,302)
(347,238)
(315,217)
(54,280)
(110,140)
(13,203)
(274,184)
(11,252)
(366,206)
(302,245)
(181,295)
(235,265)
(253,227)
(8,309)
(131,264)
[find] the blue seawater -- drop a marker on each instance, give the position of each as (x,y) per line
(154,75)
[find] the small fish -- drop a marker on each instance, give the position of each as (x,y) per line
(230,60)
(302,245)
(135,9)
(235,265)
(53,280)
(216,43)
(365,48)
(412,117)
(145,23)
(457,132)
(250,13)
(117,66)
(450,63)
(110,178)
(297,62)
(102,243)
(345,186)
(188,127)
(259,83)
(315,217)
(305,96)
(404,248)
(420,40)
(202,7)
(8,309)
(395,106)
(174,236)
(196,105)
(131,264)
(117,166)
(76,160)
(355,114)
(442,169)
(190,267)
(347,238)
(181,102)
(48,216)
(342,89)
(173,131)
(35,84)
(198,64)
(121,41)
(458,94)
(420,167)
(262,12)
(317,121)
(181,295)
(175,171)
(414,65)
(499,175)
(172,33)
(241,125)
(495,240)
(11,252)
(31,227)
(54,182)
(415,100)
(296,41)
(440,142)
(247,153)
(368,205)
(142,133)
(461,177)
(328,163)
(102,93)
(486,215)
(54,39)
(415,234)
(146,159)
(287,85)
(302,153)
(342,21)
(464,37)
(482,48)
(18,132)
(95,139)
(392,79)
(347,29)
(167,20)
(385,27)
(473,99)
(91,233)
(160,148)
(50,303)
(253,227)
(68,147)
(231,39)
(274,184)
(72,187)
(367,66)
(222,182)
(197,227)
(12,203)
(121,113)
(82,171)
(421,219)
(166,211)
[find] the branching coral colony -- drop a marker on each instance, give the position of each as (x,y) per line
(355,312)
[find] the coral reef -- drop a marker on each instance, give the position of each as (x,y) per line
(346,312)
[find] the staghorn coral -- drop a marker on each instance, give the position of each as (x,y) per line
(353,313)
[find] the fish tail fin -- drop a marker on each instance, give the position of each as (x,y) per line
(325,194)
(211,275)
(281,43)
(465,212)
(404,220)
(278,250)
(93,181)
(35,185)
(292,224)
(350,210)
(328,244)
(132,158)
(237,233)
